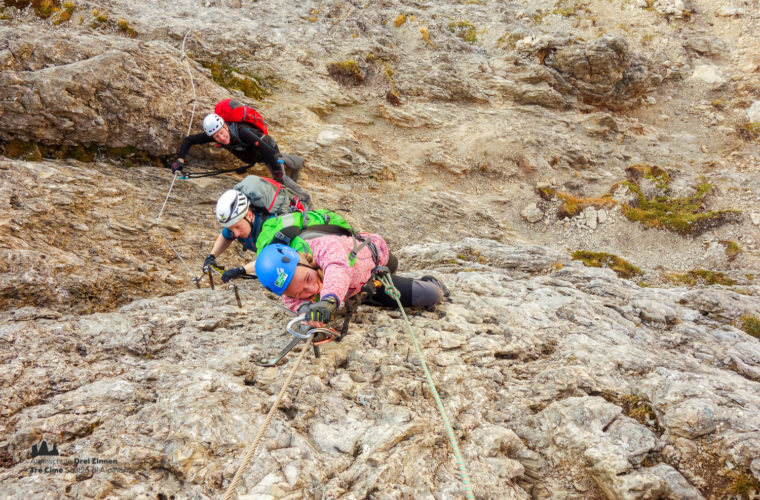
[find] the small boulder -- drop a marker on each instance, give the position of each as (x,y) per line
(532,213)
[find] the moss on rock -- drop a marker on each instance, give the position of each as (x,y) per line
(622,268)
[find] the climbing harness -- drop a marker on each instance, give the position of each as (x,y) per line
(367,291)
(393,292)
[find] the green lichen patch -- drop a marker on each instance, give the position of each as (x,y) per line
(346,72)
(750,324)
(464,30)
(472,255)
(700,277)
(233,78)
(100,18)
(622,268)
(681,215)
(638,409)
(538,16)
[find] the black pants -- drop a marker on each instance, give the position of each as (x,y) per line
(414,293)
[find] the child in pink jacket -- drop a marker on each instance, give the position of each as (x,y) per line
(316,284)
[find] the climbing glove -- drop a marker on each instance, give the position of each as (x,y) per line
(233,274)
(210,262)
(177,166)
(321,311)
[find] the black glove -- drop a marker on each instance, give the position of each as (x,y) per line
(210,261)
(321,311)
(177,166)
(233,274)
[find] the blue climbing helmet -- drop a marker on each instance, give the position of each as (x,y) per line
(275,266)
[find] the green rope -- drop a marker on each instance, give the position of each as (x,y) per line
(393,292)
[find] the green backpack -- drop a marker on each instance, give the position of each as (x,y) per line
(294,229)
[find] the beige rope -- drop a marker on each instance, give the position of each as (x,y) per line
(257,440)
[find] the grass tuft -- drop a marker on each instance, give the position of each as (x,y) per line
(680,215)
(743,484)
(231,77)
(751,325)
(464,30)
(750,131)
(732,248)
(346,72)
(700,277)
(126,28)
(622,268)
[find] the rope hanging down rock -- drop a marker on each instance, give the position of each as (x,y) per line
(189,125)
(396,295)
(252,449)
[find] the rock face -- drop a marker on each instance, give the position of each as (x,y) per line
(170,391)
(458,131)
(602,73)
(76,90)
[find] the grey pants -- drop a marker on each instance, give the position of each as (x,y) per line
(294,164)
(298,190)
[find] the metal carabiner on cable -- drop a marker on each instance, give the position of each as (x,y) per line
(299,319)
(329,332)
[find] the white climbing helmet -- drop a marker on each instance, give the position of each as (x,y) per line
(212,124)
(231,207)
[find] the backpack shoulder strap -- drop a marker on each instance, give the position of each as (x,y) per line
(287,234)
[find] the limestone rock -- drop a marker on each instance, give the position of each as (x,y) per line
(753,113)
(705,45)
(708,74)
(603,72)
(532,213)
(675,8)
(84,92)
(590,217)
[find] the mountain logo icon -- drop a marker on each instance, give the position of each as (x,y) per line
(42,449)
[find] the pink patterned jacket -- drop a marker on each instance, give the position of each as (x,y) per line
(341,280)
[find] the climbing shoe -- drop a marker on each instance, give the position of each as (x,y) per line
(439,283)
